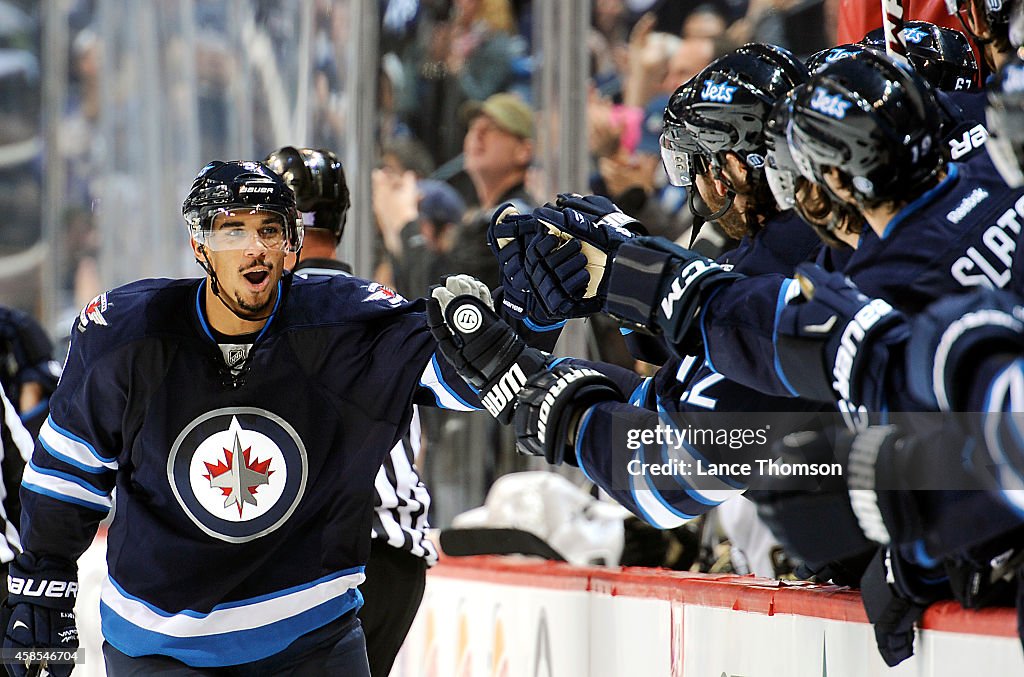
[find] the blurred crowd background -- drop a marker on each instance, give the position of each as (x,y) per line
(441,110)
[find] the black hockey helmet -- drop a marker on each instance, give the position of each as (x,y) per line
(222,187)
(735,97)
(874,120)
(793,191)
(997,15)
(318,179)
(940,55)
(1005,116)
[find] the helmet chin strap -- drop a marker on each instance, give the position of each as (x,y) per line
(730,196)
(207,265)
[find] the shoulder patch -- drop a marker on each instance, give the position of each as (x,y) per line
(379,292)
(93,312)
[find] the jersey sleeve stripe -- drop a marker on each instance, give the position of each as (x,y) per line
(73,446)
(788,290)
(68,492)
(446,397)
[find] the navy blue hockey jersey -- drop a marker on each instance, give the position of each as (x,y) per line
(243,504)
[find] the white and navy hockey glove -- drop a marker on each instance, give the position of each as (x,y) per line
(39,614)
(484,350)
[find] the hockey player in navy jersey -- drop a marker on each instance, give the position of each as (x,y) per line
(241,418)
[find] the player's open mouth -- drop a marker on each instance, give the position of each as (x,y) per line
(257,279)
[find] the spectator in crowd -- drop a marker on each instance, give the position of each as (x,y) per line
(427,241)
(498,150)
(797,25)
(706,21)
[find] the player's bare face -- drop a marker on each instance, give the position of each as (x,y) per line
(248,272)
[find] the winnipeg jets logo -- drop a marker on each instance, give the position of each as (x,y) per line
(238,472)
(837,55)
(914,35)
(93,312)
(832,105)
(240,476)
(380,292)
(718,92)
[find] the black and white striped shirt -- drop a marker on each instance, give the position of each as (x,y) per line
(402,501)
(15,450)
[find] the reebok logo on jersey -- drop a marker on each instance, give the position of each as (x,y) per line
(504,391)
(967,205)
(718,92)
(832,105)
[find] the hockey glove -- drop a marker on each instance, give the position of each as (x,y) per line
(660,286)
(835,344)
(508,237)
(39,611)
(481,346)
(896,594)
(952,338)
(601,229)
(551,404)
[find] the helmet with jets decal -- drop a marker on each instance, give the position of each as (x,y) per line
(734,96)
(874,121)
(940,55)
(224,187)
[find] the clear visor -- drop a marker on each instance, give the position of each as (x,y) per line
(680,166)
(781,182)
(239,229)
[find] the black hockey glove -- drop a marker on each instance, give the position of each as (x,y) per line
(835,344)
(896,594)
(550,406)
(556,275)
(951,339)
(508,237)
(39,611)
(659,286)
(481,346)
